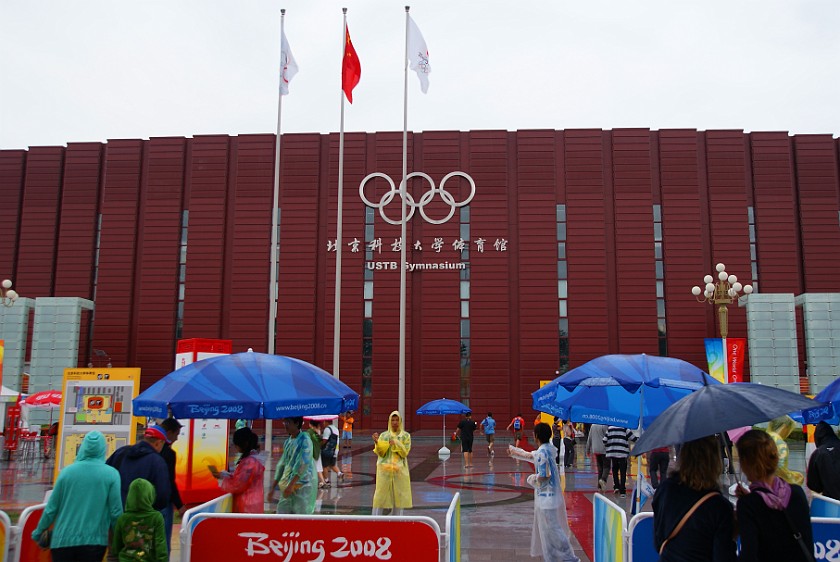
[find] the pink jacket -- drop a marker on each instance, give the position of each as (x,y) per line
(246,485)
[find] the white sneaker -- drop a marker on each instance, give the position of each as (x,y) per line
(602,485)
(341,476)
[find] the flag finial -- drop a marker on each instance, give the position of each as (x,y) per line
(344,11)
(407,8)
(282,11)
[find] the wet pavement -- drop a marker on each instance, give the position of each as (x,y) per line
(496,502)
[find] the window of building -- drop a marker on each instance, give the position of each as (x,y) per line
(659,266)
(464,292)
(562,291)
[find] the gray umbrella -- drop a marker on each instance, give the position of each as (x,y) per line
(717,408)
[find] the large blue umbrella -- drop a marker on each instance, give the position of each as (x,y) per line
(246,385)
(620,389)
(442,407)
(717,408)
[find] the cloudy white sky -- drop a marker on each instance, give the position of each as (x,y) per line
(92,70)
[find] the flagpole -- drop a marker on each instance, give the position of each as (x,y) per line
(339,219)
(272,303)
(403,229)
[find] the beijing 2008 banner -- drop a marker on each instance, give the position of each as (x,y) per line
(726,358)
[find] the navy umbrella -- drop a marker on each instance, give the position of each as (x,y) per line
(246,385)
(442,407)
(717,408)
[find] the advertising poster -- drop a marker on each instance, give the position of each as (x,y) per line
(202,442)
(2,352)
(546,418)
(96,399)
(716,358)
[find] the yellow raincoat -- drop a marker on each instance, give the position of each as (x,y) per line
(779,429)
(393,484)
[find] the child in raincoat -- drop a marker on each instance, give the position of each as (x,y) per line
(393,485)
(550,534)
(295,474)
(246,482)
(139,533)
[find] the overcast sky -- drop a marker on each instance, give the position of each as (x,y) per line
(92,70)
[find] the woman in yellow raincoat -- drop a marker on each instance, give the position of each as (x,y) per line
(779,429)
(393,485)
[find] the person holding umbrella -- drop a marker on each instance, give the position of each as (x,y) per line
(393,483)
(692,521)
(773,516)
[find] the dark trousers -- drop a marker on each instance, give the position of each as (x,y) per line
(569,458)
(603,462)
(87,553)
(658,467)
(619,470)
(168,513)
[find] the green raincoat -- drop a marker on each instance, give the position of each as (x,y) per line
(393,484)
(139,534)
(297,460)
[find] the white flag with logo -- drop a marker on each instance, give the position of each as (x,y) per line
(418,55)
(288,66)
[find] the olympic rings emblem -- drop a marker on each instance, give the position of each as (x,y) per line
(425,199)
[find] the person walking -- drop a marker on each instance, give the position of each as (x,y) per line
(824,464)
(295,475)
(517,424)
(466,430)
(140,532)
(143,460)
(595,446)
(773,512)
(550,531)
(692,520)
(569,434)
(246,482)
(84,505)
(393,482)
(172,427)
(329,452)
(658,460)
(617,444)
(488,427)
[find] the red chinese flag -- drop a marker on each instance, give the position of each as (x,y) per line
(351,68)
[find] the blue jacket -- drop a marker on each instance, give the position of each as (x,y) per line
(85,502)
(141,460)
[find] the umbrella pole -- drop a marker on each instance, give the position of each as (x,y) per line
(638,498)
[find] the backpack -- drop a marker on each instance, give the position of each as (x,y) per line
(517,423)
(332,442)
(316,443)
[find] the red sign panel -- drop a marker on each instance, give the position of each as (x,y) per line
(735,350)
(315,539)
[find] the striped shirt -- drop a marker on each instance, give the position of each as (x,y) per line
(617,441)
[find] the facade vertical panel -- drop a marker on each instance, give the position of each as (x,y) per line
(728,217)
(300,246)
(634,242)
(158,251)
(586,212)
(683,216)
(117,247)
(435,298)
(74,268)
(816,172)
(495,373)
(206,203)
(249,258)
(776,214)
(352,263)
(537,259)
(39,222)
(12,172)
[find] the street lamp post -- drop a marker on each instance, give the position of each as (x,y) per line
(8,296)
(721,293)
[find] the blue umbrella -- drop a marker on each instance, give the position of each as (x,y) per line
(246,385)
(717,408)
(442,407)
(827,411)
(620,389)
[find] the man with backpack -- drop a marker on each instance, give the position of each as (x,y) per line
(314,433)
(518,424)
(329,452)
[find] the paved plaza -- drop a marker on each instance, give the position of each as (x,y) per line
(496,502)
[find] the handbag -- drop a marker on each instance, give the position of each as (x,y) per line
(45,538)
(685,518)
